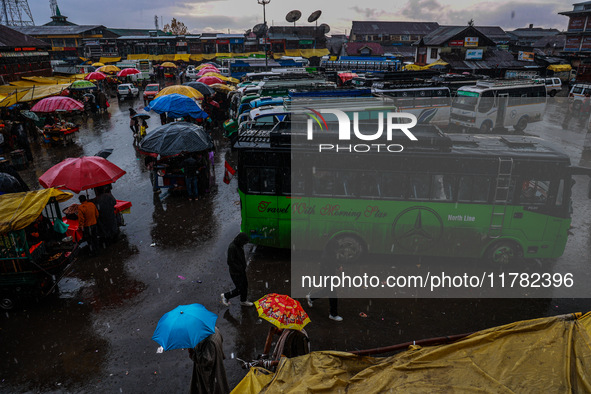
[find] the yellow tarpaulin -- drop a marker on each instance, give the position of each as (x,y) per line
(138,56)
(12,99)
(196,58)
(437,63)
(547,355)
(559,67)
(106,60)
(18,210)
(182,57)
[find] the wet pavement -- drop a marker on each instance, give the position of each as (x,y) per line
(95,335)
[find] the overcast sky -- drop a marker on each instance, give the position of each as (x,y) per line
(239,15)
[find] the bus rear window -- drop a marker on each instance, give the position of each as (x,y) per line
(261,180)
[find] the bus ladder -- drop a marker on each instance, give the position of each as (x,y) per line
(501,198)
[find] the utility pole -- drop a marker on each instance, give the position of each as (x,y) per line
(264,3)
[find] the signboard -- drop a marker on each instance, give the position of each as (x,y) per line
(222,41)
(236,40)
(471,41)
(306,42)
(572,44)
(503,47)
(262,41)
(576,23)
(525,56)
(456,43)
(586,46)
(474,54)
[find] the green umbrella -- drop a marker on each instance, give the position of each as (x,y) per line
(82,85)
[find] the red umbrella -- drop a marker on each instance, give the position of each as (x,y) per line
(208,70)
(58,103)
(95,75)
(77,174)
(209,80)
(128,71)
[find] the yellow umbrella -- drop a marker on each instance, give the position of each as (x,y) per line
(108,69)
(168,65)
(221,88)
(181,89)
(97,64)
(199,67)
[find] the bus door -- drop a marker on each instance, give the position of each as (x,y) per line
(502,100)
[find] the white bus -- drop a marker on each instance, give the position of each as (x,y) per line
(498,104)
(143,65)
(431,105)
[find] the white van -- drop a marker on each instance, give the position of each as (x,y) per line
(553,85)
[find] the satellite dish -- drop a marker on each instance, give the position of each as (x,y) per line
(324,28)
(293,16)
(314,16)
(260,29)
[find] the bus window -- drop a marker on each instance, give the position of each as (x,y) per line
(392,185)
(560,194)
(293,182)
(534,192)
(329,183)
(369,184)
(253,180)
(442,187)
(474,189)
(419,187)
(261,180)
(486,102)
(268,185)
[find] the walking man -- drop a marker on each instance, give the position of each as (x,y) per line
(191,170)
(237,268)
(87,220)
(329,266)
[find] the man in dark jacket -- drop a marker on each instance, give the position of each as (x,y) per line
(237,268)
(191,170)
(209,373)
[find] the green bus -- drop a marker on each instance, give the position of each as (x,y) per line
(494,197)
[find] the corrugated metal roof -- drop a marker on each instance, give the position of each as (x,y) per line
(11,38)
(55,30)
(493,58)
(354,48)
(446,33)
(393,27)
(133,32)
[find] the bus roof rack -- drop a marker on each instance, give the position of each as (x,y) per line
(505,82)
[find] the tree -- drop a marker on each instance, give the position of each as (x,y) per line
(176,28)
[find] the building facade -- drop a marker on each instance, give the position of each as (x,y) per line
(22,56)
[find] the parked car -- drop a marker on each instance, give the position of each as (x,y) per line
(578,93)
(225,71)
(126,90)
(150,92)
(553,85)
(191,73)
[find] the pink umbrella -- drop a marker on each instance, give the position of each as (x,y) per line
(207,70)
(96,76)
(58,103)
(128,71)
(77,174)
(209,80)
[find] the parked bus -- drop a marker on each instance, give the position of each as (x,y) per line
(499,197)
(429,104)
(499,104)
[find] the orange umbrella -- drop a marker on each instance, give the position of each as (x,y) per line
(282,311)
(168,65)
(108,69)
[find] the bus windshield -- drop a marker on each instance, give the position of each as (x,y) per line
(466,100)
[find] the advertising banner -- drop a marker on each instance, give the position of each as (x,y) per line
(525,56)
(471,41)
(474,54)
(572,44)
(576,23)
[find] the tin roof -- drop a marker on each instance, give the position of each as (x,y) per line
(56,30)
(11,38)
(393,27)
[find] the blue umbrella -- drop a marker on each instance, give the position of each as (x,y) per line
(177,106)
(184,327)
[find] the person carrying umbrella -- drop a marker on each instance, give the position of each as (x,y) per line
(133,122)
(193,327)
(191,170)
(237,267)
(101,100)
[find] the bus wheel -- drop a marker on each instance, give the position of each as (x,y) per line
(521,124)
(503,252)
(349,248)
(552,93)
(485,127)
(6,303)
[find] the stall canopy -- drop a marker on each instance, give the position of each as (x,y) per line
(547,355)
(21,209)
(559,67)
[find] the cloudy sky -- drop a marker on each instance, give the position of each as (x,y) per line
(239,15)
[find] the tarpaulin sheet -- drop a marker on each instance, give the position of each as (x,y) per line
(18,210)
(106,60)
(547,355)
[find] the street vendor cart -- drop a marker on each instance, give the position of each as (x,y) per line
(34,250)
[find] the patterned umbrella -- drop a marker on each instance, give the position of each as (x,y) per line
(128,71)
(210,80)
(95,76)
(180,89)
(282,311)
(175,138)
(57,103)
(82,85)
